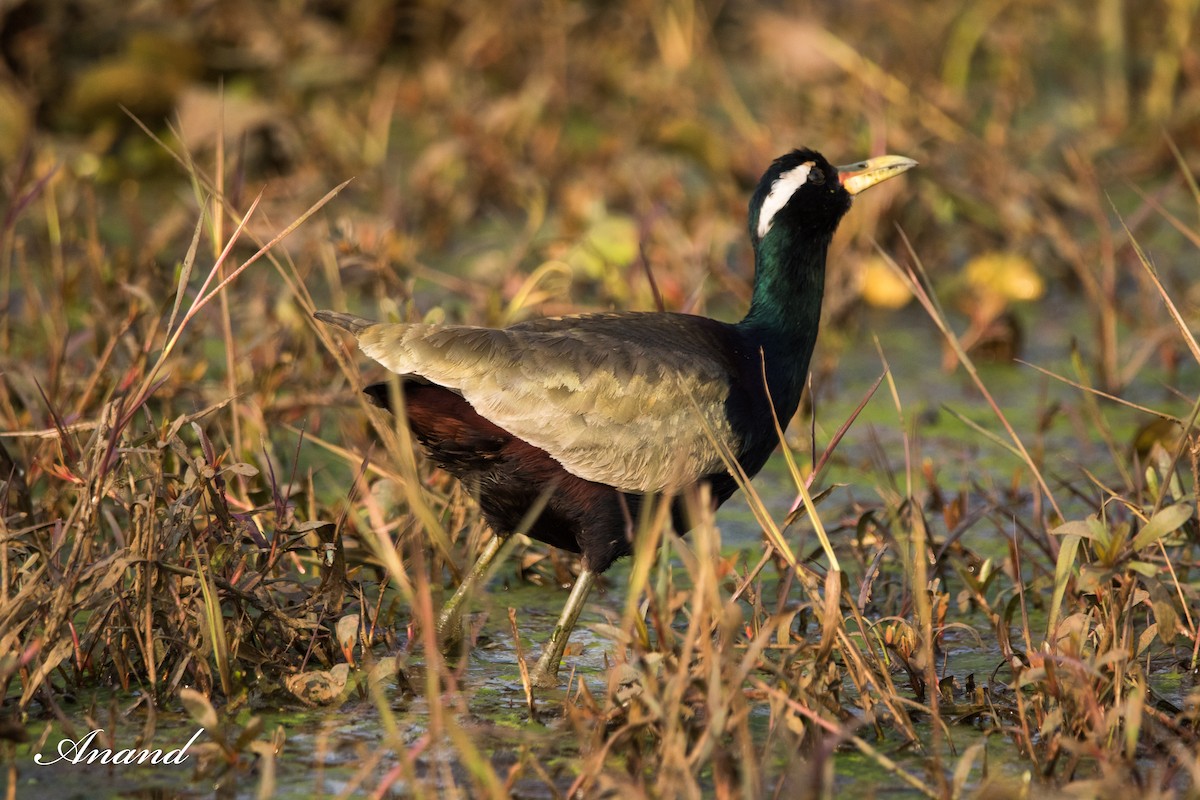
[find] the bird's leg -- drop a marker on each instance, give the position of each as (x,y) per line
(545,674)
(449,623)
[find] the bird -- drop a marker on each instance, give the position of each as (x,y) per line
(591,414)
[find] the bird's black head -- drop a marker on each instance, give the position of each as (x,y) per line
(800,191)
(793,215)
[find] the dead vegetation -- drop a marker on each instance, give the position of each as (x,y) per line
(198,516)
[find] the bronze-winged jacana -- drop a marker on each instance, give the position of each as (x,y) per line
(594,412)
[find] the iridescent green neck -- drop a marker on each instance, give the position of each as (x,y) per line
(785,309)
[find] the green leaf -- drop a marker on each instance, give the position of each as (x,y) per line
(1143,568)
(1075,527)
(1167,520)
(1062,574)
(1091,528)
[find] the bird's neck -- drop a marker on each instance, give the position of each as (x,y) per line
(785,310)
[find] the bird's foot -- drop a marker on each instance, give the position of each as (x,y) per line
(545,674)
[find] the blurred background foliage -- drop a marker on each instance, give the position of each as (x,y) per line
(487,139)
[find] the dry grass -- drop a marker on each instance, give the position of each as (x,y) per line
(197,514)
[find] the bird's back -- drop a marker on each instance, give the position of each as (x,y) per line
(632,400)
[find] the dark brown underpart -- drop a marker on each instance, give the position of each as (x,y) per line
(510,475)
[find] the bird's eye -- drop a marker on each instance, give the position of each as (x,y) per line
(816,177)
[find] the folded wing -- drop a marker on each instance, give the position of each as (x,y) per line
(614,398)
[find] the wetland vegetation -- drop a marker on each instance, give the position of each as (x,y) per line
(984,586)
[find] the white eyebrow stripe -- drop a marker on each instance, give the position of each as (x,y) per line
(782,190)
